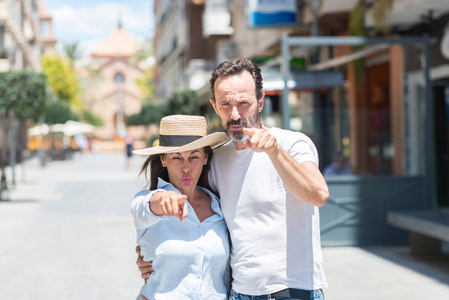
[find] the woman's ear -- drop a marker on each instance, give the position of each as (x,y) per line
(162,157)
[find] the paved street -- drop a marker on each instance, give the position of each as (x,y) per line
(67,233)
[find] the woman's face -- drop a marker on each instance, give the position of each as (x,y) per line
(184,168)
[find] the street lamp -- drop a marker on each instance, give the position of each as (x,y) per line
(119,80)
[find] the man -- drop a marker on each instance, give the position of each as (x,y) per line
(270,189)
(338,166)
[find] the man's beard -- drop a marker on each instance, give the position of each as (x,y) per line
(239,136)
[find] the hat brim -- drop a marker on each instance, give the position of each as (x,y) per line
(214,140)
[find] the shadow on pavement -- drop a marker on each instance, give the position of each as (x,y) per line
(435,266)
(9,201)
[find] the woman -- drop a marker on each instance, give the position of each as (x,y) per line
(182,229)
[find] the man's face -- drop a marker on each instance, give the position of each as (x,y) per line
(237,105)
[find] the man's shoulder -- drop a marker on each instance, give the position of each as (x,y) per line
(225,149)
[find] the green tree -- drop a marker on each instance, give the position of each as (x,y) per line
(182,102)
(73,52)
(63,81)
(151,113)
(146,83)
(145,55)
(58,112)
(22,96)
(92,118)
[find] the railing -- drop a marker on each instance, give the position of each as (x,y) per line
(357,208)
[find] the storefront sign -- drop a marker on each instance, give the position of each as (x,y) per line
(271,13)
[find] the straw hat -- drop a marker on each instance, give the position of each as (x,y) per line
(178,133)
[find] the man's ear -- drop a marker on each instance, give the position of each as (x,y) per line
(213,105)
(261,103)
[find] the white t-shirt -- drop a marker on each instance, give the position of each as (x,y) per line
(275,236)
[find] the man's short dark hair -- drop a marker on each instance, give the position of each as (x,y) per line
(235,67)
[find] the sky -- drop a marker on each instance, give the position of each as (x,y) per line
(89,22)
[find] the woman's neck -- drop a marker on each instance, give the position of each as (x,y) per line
(191,193)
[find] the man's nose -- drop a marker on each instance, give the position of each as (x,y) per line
(235,115)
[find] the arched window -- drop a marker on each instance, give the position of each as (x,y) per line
(119,77)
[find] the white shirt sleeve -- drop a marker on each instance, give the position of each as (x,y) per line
(212,180)
(140,209)
(304,150)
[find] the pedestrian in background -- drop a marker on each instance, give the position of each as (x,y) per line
(129,142)
(338,166)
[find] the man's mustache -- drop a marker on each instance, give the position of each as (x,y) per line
(238,122)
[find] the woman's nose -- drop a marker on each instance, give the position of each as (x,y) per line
(186,168)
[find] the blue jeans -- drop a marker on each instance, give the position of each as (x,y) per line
(315,295)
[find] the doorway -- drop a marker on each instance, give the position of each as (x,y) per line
(441,96)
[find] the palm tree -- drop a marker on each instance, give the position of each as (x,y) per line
(73,52)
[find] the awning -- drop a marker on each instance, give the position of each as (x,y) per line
(70,128)
(272,80)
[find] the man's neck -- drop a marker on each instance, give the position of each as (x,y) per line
(239,146)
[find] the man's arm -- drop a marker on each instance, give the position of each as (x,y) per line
(304,180)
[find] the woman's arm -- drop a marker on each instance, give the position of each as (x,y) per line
(169,203)
(149,207)
(140,209)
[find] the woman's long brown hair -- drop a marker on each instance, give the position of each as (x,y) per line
(157,170)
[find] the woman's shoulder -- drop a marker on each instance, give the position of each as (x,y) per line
(209,193)
(166,185)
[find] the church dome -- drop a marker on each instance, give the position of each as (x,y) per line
(118,44)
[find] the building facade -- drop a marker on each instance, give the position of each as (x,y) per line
(367,102)
(109,82)
(186,47)
(21,41)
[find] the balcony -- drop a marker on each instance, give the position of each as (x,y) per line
(409,12)
(4,65)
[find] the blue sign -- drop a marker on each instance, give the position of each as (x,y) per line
(271,13)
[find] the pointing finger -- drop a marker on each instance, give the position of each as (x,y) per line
(250,131)
(175,206)
(181,207)
(184,212)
